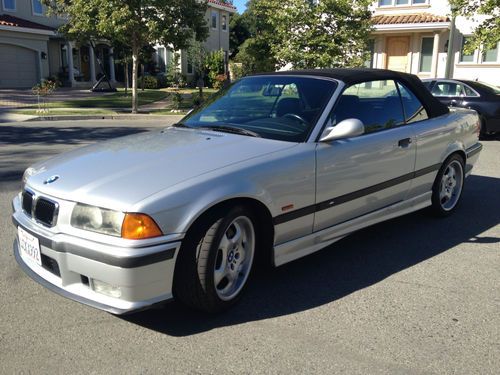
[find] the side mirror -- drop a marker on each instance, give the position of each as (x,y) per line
(350,127)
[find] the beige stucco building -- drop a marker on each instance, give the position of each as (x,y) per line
(413,36)
(32,50)
(217,15)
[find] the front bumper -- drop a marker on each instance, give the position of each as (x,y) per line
(71,266)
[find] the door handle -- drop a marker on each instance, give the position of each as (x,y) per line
(404,142)
(453,103)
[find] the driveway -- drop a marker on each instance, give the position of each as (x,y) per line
(415,295)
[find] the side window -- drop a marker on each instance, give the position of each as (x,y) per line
(469,92)
(427,84)
(377,104)
(413,108)
(447,89)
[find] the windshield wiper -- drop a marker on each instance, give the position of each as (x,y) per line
(180,125)
(231,129)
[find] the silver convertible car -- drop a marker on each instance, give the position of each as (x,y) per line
(272,168)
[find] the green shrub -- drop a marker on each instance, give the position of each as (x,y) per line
(177,99)
(197,99)
(215,66)
(162,81)
(219,81)
(150,82)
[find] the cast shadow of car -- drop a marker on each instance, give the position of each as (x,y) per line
(356,262)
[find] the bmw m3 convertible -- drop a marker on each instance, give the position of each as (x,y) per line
(274,167)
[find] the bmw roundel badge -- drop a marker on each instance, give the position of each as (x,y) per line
(51,179)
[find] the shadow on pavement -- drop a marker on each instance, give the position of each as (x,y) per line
(14,159)
(16,135)
(356,262)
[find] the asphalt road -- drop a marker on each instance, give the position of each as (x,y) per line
(414,295)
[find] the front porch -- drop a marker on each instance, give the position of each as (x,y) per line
(80,66)
(414,44)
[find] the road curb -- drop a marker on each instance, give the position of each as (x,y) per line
(102,117)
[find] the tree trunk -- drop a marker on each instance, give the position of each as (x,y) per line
(135,68)
(127,83)
(142,77)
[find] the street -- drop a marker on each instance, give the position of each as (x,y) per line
(414,295)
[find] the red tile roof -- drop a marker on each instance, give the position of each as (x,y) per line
(222,4)
(6,20)
(391,19)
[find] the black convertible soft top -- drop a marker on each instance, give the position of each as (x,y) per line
(352,76)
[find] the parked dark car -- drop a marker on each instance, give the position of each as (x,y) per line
(482,97)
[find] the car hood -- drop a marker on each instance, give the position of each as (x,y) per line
(123,171)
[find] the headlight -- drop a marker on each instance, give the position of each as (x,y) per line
(97,219)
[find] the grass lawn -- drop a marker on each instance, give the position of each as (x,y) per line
(115,100)
(206,91)
(58,112)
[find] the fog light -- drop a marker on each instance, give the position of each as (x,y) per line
(106,289)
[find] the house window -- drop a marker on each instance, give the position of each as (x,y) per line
(214,20)
(491,55)
(463,56)
(9,5)
(160,53)
(395,3)
(371,52)
(224,22)
(189,67)
(37,7)
(426,54)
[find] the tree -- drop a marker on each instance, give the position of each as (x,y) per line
(197,56)
(137,23)
(487,34)
(254,53)
(255,56)
(314,34)
(239,32)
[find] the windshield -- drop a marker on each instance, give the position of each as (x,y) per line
(283,108)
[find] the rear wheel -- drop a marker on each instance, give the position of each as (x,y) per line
(483,132)
(216,260)
(448,186)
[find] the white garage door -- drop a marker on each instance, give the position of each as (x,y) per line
(17,67)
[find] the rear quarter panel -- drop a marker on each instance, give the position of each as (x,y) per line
(437,139)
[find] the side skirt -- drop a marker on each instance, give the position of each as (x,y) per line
(291,250)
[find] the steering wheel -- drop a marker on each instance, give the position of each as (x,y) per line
(296,117)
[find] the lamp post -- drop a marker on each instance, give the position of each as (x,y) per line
(450,53)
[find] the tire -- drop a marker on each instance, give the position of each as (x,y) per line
(483,132)
(215,260)
(448,186)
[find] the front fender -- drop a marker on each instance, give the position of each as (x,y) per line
(276,181)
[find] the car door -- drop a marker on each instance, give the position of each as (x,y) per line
(359,175)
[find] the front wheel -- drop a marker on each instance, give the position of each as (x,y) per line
(448,186)
(216,260)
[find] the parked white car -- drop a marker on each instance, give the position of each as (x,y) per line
(275,166)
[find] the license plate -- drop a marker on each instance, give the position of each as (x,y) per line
(29,246)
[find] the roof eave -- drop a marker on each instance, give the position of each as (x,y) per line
(412,26)
(27,30)
(222,7)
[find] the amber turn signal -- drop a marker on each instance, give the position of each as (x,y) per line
(139,226)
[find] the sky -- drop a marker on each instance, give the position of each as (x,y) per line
(240,4)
